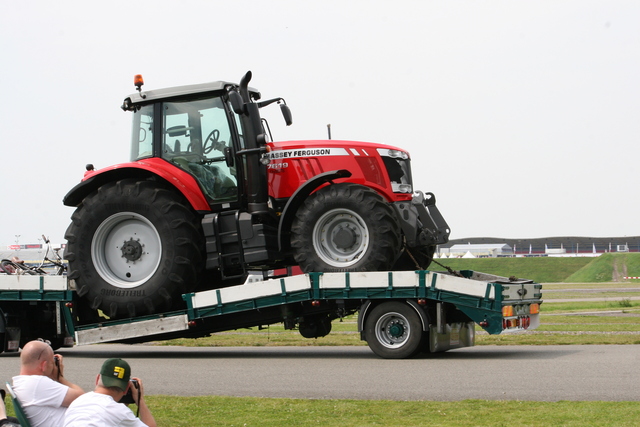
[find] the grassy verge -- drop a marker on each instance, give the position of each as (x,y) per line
(207,411)
(228,411)
(607,267)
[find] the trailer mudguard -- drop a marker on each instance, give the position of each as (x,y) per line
(142,169)
(296,200)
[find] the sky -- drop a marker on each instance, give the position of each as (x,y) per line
(522,117)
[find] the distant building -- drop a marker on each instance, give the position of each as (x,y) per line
(553,246)
(480,250)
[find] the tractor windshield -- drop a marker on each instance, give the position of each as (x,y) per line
(196,134)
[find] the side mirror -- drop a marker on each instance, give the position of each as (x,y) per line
(286,113)
(236,102)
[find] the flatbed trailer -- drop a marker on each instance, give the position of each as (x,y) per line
(400,313)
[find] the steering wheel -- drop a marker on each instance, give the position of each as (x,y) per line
(214,144)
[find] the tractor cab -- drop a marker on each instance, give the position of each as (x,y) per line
(200,136)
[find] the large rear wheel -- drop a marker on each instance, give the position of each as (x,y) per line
(345,227)
(134,248)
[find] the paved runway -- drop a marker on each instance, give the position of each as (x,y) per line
(542,373)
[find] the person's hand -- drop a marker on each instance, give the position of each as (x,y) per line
(138,393)
(58,367)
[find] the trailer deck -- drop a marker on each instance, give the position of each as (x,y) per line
(481,297)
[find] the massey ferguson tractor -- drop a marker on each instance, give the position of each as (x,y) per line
(208,196)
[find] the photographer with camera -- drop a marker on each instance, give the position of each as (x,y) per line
(106,405)
(41,387)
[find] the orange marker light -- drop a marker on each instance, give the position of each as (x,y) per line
(138,81)
(534,308)
(507,311)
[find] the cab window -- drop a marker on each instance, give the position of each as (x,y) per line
(196,134)
(142,133)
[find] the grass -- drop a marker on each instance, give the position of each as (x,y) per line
(604,268)
(246,411)
(539,269)
(607,267)
(206,411)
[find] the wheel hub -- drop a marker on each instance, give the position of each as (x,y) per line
(396,330)
(392,330)
(344,238)
(126,250)
(340,237)
(131,250)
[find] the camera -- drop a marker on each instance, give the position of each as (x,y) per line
(128,398)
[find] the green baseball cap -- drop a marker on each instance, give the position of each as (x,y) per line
(115,373)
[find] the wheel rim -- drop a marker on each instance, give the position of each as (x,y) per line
(340,237)
(392,330)
(126,250)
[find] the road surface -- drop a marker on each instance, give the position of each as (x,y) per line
(541,373)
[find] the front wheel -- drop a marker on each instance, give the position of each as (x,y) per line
(393,330)
(133,248)
(345,227)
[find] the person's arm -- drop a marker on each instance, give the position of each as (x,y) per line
(74,390)
(3,412)
(145,413)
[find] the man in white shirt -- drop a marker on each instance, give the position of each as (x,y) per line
(41,387)
(101,407)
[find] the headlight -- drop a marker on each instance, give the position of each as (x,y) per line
(401,188)
(395,154)
(405,188)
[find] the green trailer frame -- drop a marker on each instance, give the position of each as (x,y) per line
(437,298)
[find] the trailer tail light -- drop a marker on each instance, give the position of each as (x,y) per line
(534,308)
(521,322)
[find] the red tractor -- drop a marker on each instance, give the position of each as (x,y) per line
(208,196)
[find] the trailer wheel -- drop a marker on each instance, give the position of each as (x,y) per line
(393,330)
(345,227)
(133,248)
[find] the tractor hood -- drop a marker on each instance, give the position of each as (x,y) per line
(316,148)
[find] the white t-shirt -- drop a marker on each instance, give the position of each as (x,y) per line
(100,410)
(41,398)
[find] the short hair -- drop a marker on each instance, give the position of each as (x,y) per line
(114,389)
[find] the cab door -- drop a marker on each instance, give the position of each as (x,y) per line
(196,135)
